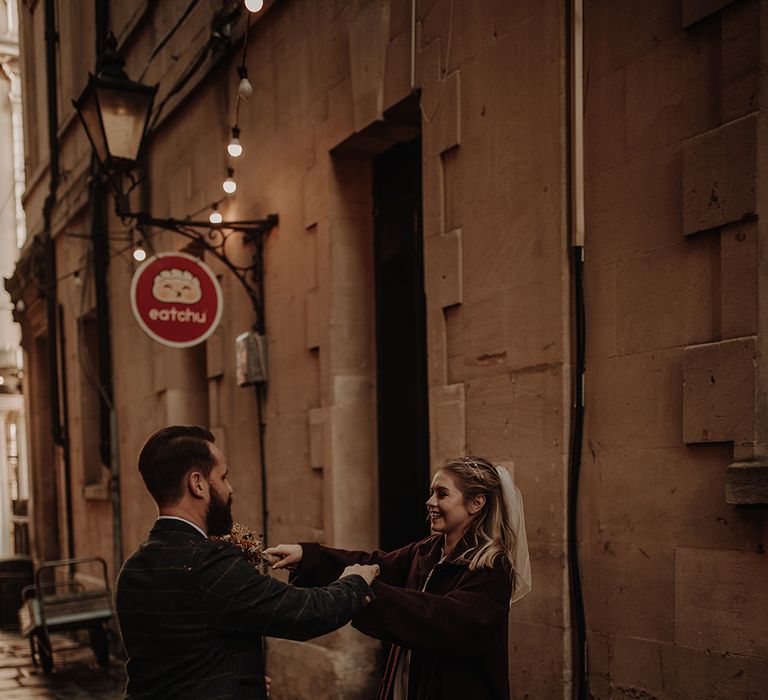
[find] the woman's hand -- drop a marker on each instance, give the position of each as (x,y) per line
(367,571)
(284,555)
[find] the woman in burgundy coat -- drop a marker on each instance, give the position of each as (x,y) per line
(442,603)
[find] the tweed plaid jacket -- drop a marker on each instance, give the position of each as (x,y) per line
(192,613)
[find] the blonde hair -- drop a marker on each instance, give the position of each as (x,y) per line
(491,527)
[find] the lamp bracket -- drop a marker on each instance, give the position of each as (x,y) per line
(221,241)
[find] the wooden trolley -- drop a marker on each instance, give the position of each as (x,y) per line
(65,604)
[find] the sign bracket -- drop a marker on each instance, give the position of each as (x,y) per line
(221,240)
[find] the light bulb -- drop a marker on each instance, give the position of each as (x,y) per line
(229,185)
(215,217)
(139,254)
(245,89)
(254,5)
(235,148)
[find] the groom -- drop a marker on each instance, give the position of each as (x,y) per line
(191,611)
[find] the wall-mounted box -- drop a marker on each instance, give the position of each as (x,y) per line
(250,358)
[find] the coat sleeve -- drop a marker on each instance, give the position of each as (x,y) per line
(467,621)
(320,564)
(243,601)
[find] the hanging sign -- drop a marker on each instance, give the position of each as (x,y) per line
(176,299)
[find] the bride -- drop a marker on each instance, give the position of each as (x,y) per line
(442,603)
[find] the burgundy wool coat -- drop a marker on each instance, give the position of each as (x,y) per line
(456,629)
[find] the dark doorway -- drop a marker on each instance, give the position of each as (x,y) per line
(401,346)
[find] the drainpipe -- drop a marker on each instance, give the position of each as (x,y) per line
(59,432)
(67,465)
(108,442)
(576,224)
(51,37)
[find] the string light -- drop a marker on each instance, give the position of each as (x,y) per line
(229,185)
(254,5)
(139,253)
(235,148)
(244,89)
(215,217)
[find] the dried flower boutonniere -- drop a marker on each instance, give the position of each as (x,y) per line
(250,545)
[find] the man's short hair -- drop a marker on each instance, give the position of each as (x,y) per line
(169,455)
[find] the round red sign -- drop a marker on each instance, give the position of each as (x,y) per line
(176,299)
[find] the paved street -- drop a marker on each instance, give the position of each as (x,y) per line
(76,676)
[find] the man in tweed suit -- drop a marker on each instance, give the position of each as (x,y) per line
(191,611)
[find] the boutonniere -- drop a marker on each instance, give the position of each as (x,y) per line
(250,545)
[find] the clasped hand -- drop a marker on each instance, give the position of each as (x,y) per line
(288,556)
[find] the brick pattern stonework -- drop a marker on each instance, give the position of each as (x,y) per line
(674,380)
(675,289)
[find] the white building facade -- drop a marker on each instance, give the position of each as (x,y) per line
(14,487)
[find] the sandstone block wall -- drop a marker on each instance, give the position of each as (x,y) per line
(674,246)
(672,123)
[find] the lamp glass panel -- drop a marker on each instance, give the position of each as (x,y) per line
(89,111)
(124,114)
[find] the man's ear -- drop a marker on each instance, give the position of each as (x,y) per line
(196,484)
(476,504)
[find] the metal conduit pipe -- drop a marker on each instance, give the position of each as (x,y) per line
(108,440)
(576,225)
(65,415)
(60,433)
(50,202)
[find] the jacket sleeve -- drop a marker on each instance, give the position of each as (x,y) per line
(467,621)
(243,601)
(320,564)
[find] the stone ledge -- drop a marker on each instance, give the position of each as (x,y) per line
(97,492)
(746,483)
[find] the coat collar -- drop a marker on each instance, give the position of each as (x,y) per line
(174,525)
(432,547)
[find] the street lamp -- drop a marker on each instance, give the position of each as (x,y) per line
(115,111)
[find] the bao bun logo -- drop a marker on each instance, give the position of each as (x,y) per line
(177,285)
(176,299)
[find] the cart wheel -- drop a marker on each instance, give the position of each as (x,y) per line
(100,644)
(42,646)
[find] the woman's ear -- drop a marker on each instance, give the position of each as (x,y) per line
(476,504)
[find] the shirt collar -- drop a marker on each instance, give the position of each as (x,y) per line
(184,520)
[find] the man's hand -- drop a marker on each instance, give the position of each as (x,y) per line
(284,555)
(367,571)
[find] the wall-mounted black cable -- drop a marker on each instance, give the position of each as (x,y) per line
(167,37)
(575,218)
(574,470)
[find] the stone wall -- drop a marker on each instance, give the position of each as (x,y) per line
(670,570)
(675,383)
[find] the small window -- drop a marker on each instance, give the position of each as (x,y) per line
(18,485)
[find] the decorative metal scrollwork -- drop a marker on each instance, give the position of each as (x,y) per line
(222,241)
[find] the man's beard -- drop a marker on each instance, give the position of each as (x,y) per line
(218,519)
